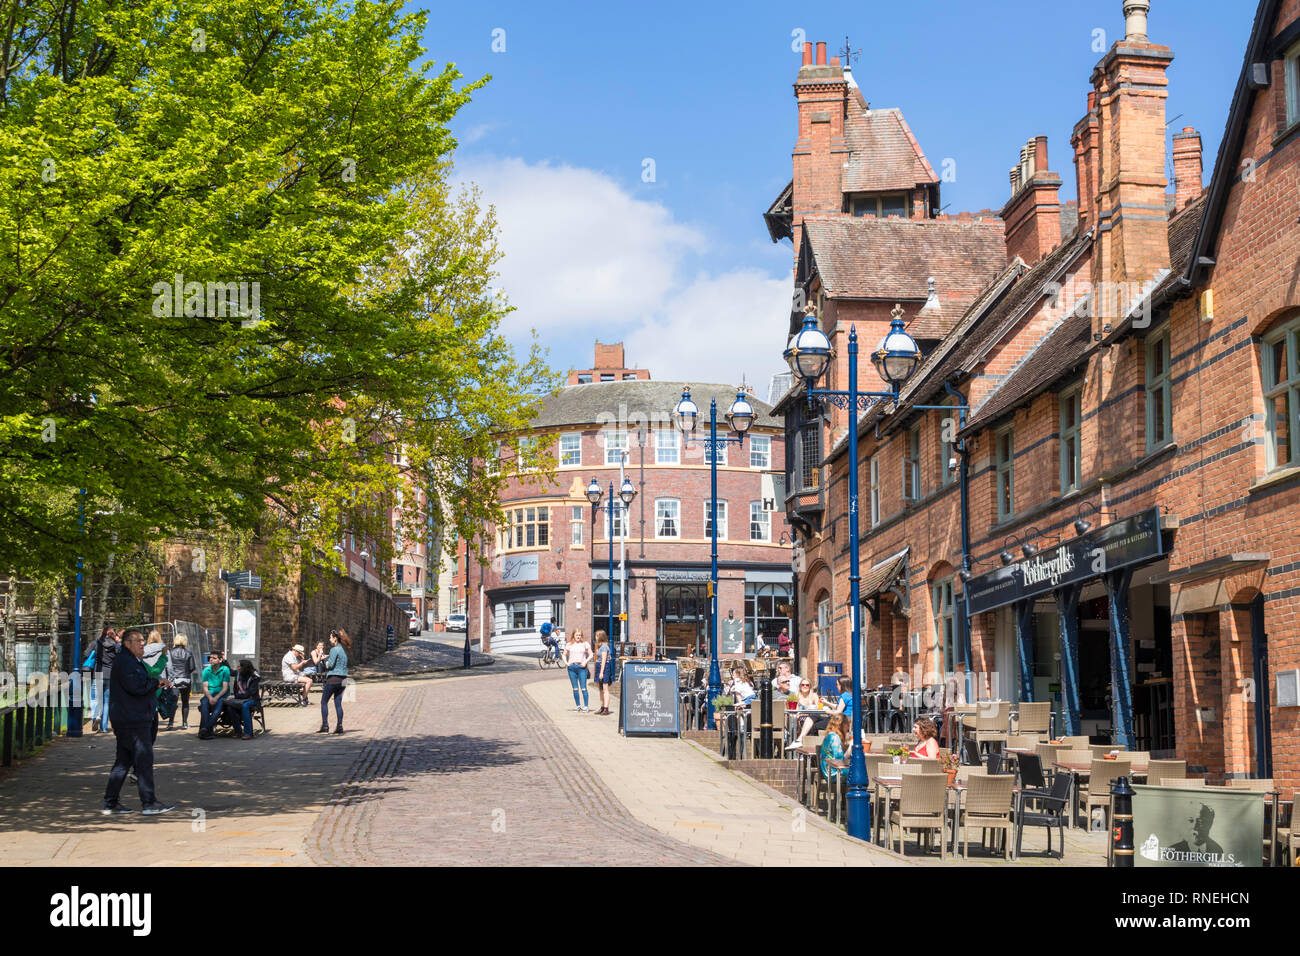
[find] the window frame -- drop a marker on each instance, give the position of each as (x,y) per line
(754,441)
(528,528)
(912,466)
(529,610)
(722,519)
(613,439)
(765,523)
(1004,473)
(1291,85)
(943,612)
(1161,384)
(948,449)
(562,452)
(708,452)
(620,520)
(1071,480)
(879,200)
(576,520)
(676,447)
(873,483)
(676,518)
(1289,334)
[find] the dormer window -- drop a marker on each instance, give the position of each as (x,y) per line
(880,205)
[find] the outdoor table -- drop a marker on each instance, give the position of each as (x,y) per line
(1077,770)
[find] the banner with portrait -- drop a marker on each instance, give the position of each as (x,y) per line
(1197,826)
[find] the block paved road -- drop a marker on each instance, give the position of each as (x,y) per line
(444,769)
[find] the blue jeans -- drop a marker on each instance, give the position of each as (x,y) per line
(335,691)
(208,713)
(100,706)
(246,712)
(578,678)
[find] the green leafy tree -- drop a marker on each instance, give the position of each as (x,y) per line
(235,292)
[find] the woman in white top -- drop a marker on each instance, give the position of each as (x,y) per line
(808,701)
(576,654)
(741,689)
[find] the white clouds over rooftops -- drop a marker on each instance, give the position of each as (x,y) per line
(582,253)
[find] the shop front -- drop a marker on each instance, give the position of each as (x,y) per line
(1086,625)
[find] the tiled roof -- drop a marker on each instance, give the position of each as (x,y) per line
(1064,349)
(780,214)
(883,153)
(891,259)
(883,576)
(599,403)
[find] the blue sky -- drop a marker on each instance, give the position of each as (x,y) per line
(681,267)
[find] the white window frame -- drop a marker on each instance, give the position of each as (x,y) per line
(722,520)
(944,613)
(1071,479)
(563,452)
(1288,388)
(620,520)
(874,471)
(668,452)
(912,465)
(1158,384)
(824,627)
(1291,73)
(668,509)
(722,452)
(576,520)
(616,446)
(1005,473)
(760,452)
(760,520)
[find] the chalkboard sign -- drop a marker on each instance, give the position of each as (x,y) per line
(731,636)
(648,699)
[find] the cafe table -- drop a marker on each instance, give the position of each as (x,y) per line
(1077,770)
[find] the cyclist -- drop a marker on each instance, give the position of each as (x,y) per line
(551,643)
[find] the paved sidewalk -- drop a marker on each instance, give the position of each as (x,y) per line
(428,653)
(678,790)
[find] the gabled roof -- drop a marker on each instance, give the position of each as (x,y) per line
(883,153)
(1226,169)
(892,259)
(596,403)
(780,215)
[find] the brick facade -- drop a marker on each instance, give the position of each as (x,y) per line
(1229,518)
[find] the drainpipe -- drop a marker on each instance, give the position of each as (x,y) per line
(963,481)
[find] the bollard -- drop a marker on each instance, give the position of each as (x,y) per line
(1121,824)
(765,718)
(467,648)
(390,637)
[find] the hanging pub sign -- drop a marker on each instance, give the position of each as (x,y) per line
(1131,541)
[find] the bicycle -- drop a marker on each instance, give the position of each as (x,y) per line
(550,657)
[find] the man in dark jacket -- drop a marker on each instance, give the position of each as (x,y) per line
(134,709)
(106,648)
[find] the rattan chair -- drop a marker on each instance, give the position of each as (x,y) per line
(992,717)
(1076,743)
(1238,783)
(810,768)
(1048,754)
(1021,742)
(988,806)
(1034,719)
(922,765)
(1099,750)
(921,806)
(1096,792)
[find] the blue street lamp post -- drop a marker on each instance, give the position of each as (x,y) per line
(625,494)
(740,416)
(808,355)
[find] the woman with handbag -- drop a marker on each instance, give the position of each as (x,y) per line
(181,668)
(604,670)
(577,654)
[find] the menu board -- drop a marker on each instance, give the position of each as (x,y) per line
(731,636)
(648,699)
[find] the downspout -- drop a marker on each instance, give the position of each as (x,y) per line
(963,481)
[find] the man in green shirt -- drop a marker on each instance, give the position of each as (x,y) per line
(216,685)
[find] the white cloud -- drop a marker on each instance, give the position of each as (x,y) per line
(582,253)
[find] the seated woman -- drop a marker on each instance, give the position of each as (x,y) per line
(319,655)
(927,744)
(808,701)
(832,748)
(245,696)
(740,688)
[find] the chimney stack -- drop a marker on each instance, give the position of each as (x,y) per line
(1085,142)
(822,91)
(1033,214)
(807,54)
(1187,168)
(1132,219)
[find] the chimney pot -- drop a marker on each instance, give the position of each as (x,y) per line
(1135,20)
(807,54)
(1040,153)
(821,53)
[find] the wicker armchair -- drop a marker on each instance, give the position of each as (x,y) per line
(1034,719)
(992,717)
(920,808)
(1159,771)
(1096,793)
(987,806)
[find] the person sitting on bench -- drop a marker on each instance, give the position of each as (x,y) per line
(245,697)
(216,684)
(292,668)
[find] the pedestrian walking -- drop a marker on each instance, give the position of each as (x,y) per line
(134,719)
(576,655)
(181,667)
(604,670)
(336,668)
(106,647)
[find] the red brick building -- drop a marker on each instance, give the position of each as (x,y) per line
(1131,458)
(551,562)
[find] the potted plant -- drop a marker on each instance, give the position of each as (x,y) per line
(723,702)
(791,701)
(898,753)
(950,763)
